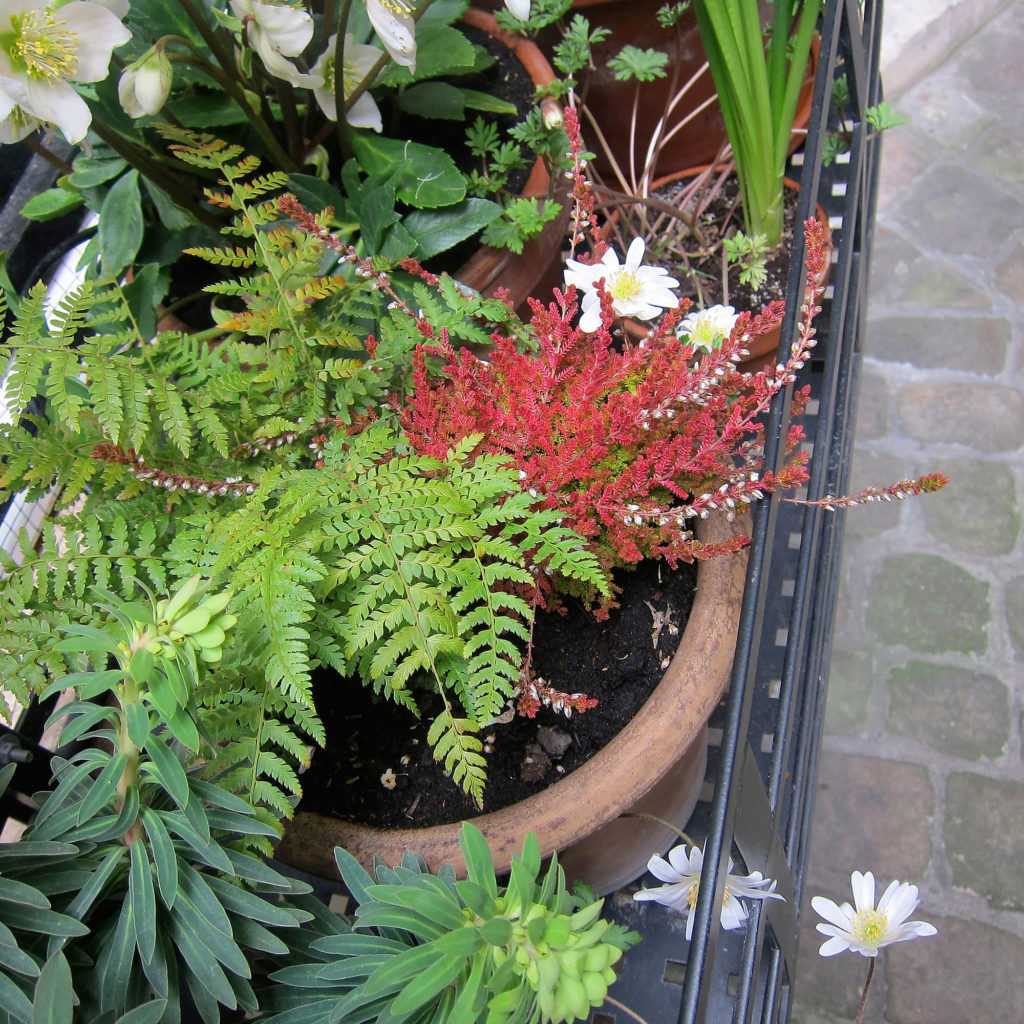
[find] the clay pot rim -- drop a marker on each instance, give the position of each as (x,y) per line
(611,782)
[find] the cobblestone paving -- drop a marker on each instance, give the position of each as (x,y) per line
(921,773)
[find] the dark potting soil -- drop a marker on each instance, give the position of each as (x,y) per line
(724,215)
(619,662)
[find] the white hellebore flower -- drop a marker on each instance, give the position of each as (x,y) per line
(44,47)
(681,872)
(15,122)
(145,85)
(709,328)
(393,22)
(636,291)
(359,59)
(865,928)
(277,31)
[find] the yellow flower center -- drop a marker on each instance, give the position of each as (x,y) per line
(44,45)
(625,286)
(870,927)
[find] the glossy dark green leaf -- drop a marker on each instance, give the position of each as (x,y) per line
(143,900)
(315,194)
(121,224)
(53,203)
(169,770)
(14,959)
(196,815)
(92,171)
(423,176)
(13,891)
(184,729)
(434,99)
(54,1001)
(164,857)
(488,103)
(436,231)
(253,935)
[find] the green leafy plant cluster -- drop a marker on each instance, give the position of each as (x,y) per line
(427,948)
(133,882)
(264,453)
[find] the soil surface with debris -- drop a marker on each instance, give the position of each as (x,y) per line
(377,768)
(724,215)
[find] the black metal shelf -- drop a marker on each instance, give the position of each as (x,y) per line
(767,732)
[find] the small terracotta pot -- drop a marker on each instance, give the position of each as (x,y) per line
(611,102)
(764,347)
(665,740)
(538,268)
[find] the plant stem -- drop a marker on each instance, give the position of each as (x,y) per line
(863,1004)
(661,821)
(340,109)
(35,144)
(127,693)
(625,1009)
(235,88)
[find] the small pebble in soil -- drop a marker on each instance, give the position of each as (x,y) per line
(536,763)
(553,740)
(388,780)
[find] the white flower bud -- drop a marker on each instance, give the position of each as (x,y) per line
(145,85)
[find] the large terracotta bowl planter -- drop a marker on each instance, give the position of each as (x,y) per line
(538,268)
(764,347)
(611,102)
(655,764)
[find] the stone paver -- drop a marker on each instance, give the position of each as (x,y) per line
(957,712)
(985,836)
(922,767)
(929,604)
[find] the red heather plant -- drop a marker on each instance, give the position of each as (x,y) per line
(632,441)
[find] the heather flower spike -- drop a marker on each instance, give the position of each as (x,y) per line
(865,928)
(636,290)
(681,873)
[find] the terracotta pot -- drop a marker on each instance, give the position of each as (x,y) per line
(764,347)
(666,738)
(611,102)
(538,268)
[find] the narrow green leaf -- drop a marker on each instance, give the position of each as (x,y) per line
(54,1001)
(143,900)
(164,856)
(138,723)
(169,770)
(148,1013)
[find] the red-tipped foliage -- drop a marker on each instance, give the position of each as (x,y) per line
(630,441)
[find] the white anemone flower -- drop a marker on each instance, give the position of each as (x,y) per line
(145,84)
(681,873)
(276,32)
(636,290)
(359,60)
(709,328)
(518,8)
(394,24)
(46,46)
(865,928)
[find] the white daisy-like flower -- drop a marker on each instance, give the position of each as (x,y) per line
(144,85)
(865,928)
(681,873)
(636,290)
(393,22)
(708,328)
(45,46)
(359,59)
(276,32)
